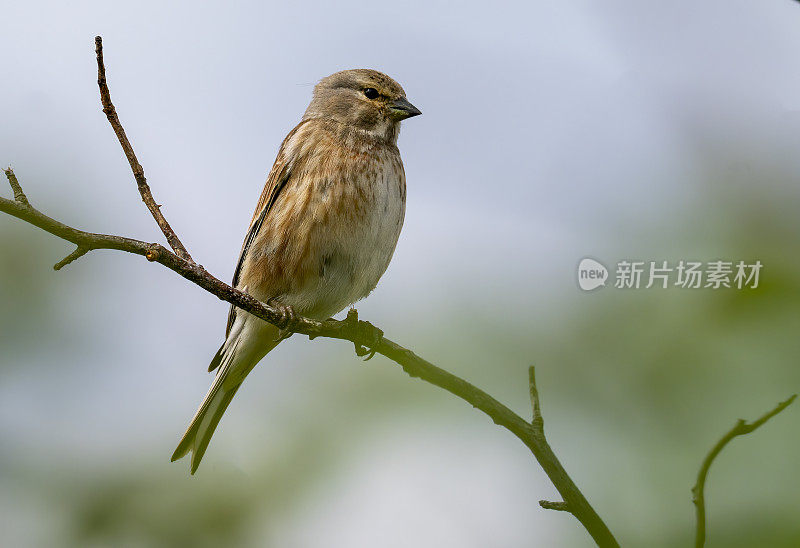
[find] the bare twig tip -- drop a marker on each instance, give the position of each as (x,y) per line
(77,254)
(537,421)
(558,506)
(19,195)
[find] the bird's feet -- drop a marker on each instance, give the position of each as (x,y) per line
(288,321)
(365,331)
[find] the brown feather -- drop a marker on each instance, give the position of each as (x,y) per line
(276,180)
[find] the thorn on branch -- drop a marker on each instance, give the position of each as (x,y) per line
(19,195)
(79,252)
(558,506)
(538,421)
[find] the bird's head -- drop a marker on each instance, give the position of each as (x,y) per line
(363,99)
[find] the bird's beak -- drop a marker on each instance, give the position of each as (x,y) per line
(402,109)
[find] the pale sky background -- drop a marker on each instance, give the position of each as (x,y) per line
(550,131)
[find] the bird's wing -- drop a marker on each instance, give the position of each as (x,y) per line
(276,181)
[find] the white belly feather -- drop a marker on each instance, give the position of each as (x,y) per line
(354,257)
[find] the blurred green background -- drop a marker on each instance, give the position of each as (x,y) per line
(627,131)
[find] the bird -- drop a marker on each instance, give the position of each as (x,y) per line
(323,232)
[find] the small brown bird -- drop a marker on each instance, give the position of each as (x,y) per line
(324,229)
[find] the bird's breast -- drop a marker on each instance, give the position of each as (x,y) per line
(359,241)
(333,229)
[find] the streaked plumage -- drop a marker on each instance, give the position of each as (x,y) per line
(324,229)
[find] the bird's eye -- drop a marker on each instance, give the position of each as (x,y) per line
(371,93)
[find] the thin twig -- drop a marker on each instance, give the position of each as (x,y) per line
(361,334)
(558,506)
(698,491)
(19,196)
(136,167)
(537,421)
(79,252)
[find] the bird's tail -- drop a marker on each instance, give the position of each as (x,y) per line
(248,341)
